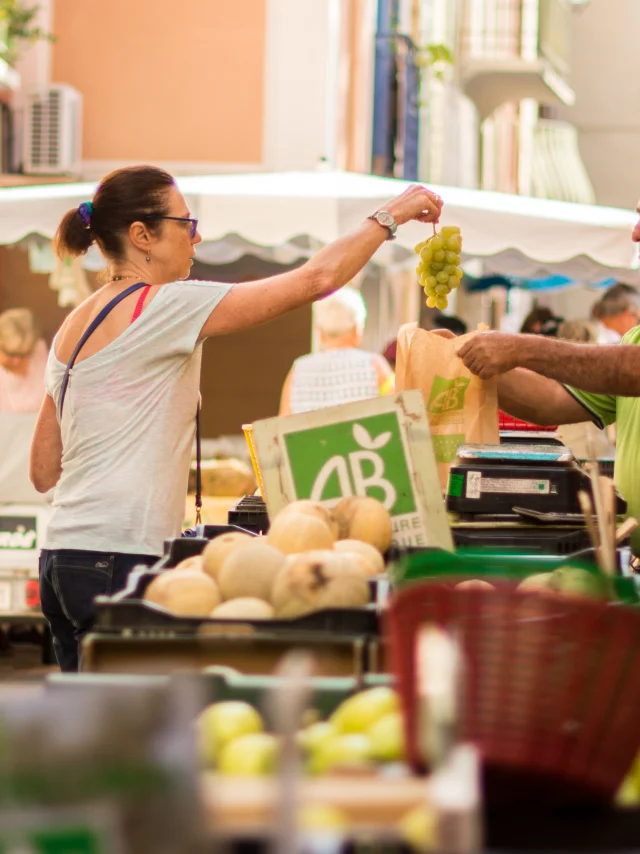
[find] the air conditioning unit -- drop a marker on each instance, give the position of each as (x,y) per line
(53,132)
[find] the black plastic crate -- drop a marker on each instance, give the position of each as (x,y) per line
(127,612)
(180,548)
(251,514)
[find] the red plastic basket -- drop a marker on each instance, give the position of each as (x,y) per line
(551,685)
(506,422)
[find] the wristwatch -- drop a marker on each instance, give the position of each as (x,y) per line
(385,219)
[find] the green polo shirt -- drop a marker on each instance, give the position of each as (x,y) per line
(625,412)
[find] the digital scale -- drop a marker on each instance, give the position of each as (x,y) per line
(516,480)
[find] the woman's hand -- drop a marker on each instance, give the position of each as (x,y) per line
(416,203)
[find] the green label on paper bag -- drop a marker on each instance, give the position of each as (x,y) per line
(60,840)
(446,447)
(447,395)
(364,456)
(456,485)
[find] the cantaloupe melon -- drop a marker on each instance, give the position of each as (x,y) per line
(474,584)
(539,582)
(364,518)
(293,533)
(313,508)
(194,562)
(250,570)
(216,551)
(371,556)
(245,608)
(315,580)
(186,592)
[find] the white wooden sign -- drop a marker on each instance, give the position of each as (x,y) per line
(379,447)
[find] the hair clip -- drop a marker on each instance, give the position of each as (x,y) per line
(84,211)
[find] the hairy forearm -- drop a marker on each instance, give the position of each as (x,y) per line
(601,370)
(537,399)
(529,396)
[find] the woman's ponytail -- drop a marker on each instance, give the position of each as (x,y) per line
(74,235)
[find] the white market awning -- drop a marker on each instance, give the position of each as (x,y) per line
(585,242)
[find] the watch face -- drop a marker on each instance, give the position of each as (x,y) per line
(385,218)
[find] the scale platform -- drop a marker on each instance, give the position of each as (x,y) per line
(491,480)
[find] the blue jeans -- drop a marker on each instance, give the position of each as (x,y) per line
(69,581)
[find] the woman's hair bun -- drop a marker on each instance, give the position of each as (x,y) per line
(73,237)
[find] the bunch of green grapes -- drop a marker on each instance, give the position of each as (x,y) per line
(439,269)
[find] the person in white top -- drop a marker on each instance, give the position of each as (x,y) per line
(118,455)
(23,357)
(340,372)
(616,313)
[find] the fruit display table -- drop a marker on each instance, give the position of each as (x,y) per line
(237,806)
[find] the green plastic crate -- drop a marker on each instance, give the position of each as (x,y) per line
(485,564)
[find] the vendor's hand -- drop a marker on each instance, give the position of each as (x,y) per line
(416,203)
(488,354)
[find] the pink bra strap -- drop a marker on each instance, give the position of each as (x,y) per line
(140,304)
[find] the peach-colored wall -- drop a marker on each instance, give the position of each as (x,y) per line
(165,80)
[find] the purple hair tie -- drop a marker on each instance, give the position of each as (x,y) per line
(84,211)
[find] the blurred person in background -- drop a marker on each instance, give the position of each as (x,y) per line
(340,372)
(390,353)
(616,313)
(541,321)
(584,438)
(23,359)
(451,322)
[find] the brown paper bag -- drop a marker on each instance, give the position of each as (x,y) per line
(461,407)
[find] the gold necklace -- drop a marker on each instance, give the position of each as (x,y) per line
(121,278)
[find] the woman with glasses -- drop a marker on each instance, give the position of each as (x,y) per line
(114,434)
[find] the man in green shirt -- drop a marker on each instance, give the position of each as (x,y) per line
(547,381)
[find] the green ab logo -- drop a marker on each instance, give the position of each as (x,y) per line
(357,457)
(447,395)
(350,469)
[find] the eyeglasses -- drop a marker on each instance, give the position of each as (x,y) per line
(194,222)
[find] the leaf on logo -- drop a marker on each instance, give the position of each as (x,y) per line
(362,437)
(381,440)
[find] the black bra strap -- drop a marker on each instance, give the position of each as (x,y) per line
(87,334)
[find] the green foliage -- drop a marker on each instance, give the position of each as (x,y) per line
(17,29)
(434,57)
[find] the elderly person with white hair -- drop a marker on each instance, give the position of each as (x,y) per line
(23,358)
(340,372)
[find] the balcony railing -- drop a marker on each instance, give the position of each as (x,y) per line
(510,50)
(516,29)
(558,171)
(538,157)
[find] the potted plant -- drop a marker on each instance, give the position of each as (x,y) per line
(17,29)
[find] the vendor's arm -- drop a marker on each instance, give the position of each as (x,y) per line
(45,464)
(600,370)
(253,303)
(531,397)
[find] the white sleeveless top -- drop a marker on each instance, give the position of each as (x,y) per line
(128,425)
(332,377)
